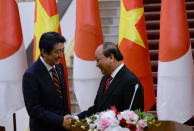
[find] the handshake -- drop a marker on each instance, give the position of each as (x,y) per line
(67,122)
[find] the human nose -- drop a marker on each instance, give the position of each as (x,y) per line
(61,54)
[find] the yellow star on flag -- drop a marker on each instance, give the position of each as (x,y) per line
(127,28)
(44,23)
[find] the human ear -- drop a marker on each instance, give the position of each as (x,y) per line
(43,52)
(112,57)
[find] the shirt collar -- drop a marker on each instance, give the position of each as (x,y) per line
(48,67)
(117,70)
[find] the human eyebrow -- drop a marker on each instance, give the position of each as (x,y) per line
(59,50)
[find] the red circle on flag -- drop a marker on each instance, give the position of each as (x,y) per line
(11,33)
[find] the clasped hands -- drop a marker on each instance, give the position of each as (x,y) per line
(67,122)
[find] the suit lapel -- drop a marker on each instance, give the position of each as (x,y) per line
(112,87)
(47,80)
(44,74)
(63,86)
(101,88)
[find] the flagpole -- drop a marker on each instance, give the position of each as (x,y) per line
(2,128)
(14,121)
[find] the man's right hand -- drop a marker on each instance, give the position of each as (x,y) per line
(67,121)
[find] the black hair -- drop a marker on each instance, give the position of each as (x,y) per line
(48,41)
(111,48)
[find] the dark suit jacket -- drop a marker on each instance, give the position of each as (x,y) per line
(45,108)
(119,93)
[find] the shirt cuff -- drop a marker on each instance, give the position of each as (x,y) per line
(76,117)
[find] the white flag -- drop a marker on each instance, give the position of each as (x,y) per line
(175,93)
(12,58)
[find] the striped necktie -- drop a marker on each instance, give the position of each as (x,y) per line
(56,82)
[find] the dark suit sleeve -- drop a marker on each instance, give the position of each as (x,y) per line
(87,113)
(31,94)
(65,88)
(138,102)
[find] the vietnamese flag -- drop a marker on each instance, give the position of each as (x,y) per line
(13,61)
(88,36)
(46,20)
(175,93)
(133,45)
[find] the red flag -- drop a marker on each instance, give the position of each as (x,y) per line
(47,19)
(134,46)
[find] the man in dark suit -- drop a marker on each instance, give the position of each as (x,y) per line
(44,87)
(119,86)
